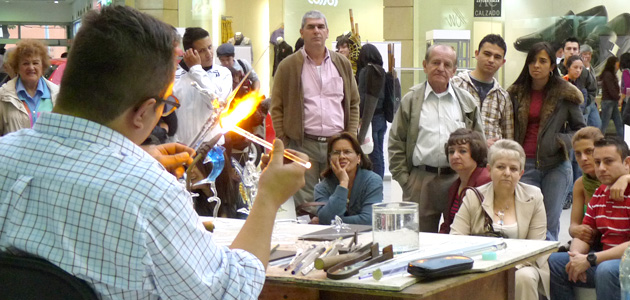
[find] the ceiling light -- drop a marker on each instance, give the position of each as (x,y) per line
(56,1)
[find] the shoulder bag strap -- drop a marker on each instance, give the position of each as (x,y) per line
(487,219)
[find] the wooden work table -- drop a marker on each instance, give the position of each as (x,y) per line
(489,280)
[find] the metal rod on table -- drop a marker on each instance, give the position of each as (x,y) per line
(252,137)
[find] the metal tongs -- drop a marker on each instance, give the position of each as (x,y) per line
(348,265)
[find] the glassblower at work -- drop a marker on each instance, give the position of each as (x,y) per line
(95,204)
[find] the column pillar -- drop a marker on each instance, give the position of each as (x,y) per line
(164,10)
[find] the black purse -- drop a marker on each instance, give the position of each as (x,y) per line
(488,228)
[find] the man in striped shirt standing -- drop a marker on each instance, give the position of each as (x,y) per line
(582,264)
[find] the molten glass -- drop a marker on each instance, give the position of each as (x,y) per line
(250,136)
(241,110)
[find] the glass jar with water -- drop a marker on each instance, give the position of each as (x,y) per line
(396,224)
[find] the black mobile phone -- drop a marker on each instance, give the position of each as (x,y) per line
(440,266)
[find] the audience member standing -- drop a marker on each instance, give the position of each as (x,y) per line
(497,114)
(225,53)
(198,66)
(422,125)
(611,96)
(591,113)
(624,65)
(547,113)
(373,97)
(314,97)
(25,97)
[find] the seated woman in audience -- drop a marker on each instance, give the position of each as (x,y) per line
(584,187)
(467,154)
(349,187)
(516,209)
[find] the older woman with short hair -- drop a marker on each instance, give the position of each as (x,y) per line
(349,187)
(26,96)
(516,209)
(467,154)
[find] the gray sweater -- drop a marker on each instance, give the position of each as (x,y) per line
(366,190)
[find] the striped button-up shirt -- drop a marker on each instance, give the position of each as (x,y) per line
(90,201)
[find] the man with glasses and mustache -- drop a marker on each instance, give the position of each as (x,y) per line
(78,191)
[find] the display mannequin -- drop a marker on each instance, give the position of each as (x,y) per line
(281,50)
(239,39)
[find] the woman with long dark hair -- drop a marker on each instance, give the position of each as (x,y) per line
(546,115)
(371,79)
(611,98)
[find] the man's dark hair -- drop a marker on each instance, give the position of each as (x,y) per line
(622,147)
(571,39)
(120,58)
(494,39)
(343,41)
(191,35)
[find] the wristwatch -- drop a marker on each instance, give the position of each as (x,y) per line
(592,259)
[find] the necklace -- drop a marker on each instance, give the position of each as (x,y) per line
(501,214)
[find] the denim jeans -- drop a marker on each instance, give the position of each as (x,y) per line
(610,110)
(603,277)
(379,126)
(554,185)
(591,116)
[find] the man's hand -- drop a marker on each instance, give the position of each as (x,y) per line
(279,181)
(172,156)
(577,266)
(584,233)
(619,188)
(191,58)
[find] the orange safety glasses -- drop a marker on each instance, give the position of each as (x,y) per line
(171,103)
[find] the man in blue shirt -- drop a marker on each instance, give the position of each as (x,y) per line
(78,191)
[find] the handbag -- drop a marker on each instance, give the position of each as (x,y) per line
(488,228)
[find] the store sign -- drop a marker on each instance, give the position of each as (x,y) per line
(487,8)
(324,2)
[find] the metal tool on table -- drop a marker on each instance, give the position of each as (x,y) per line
(348,268)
